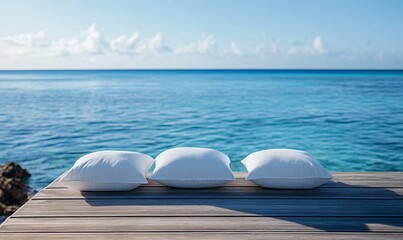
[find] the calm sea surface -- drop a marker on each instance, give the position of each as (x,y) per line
(350,120)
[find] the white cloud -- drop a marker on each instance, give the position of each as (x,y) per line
(202,46)
(315,48)
(25,40)
(205,44)
(154,44)
(22,44)
(93,43)
(125,45)
(235,49)
(318,45)
(65,47)
(134,45)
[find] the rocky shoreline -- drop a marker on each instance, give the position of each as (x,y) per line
(14,190)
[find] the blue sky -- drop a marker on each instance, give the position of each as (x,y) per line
(201,34)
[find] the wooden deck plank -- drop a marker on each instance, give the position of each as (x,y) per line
(204,236)
(212,207)
(197,224)
(340,180)
(335,183)
(353,206)
(227,192)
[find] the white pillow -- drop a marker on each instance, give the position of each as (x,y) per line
(285,168)
(191,167)
(108,171)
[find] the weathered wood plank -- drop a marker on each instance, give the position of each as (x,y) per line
(342,180)
(204,236)
(225,224)
(335,183)
(227,192)
(211,207)
(357,205)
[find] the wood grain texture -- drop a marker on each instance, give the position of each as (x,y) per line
(198,224)
(340,180)
(205,236)
(212,207)
(352,206)
(226,192)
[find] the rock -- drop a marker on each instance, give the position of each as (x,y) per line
(7,210)
(14,170)
(14,190)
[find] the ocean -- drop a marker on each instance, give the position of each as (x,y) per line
(350,120)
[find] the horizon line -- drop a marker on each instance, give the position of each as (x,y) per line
(209,69)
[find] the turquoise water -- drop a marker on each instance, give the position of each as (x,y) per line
(350,120)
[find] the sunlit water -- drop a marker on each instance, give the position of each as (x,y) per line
(351,121)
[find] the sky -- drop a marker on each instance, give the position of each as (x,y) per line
(176,34)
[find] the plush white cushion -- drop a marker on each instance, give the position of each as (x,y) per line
(285,168)
(191,167)
(108,171)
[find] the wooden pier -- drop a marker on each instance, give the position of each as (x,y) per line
(352,206)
